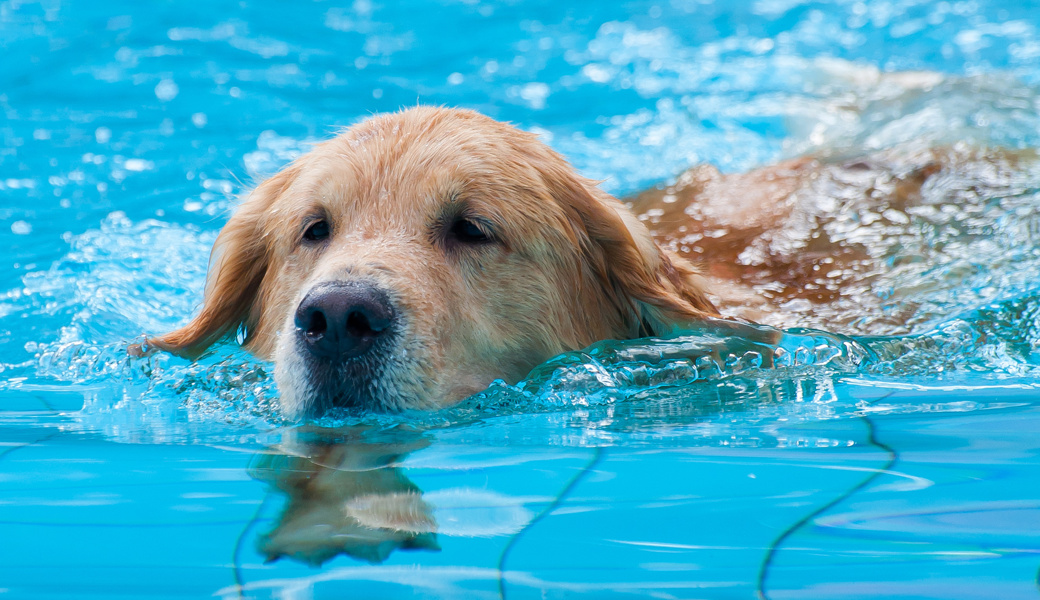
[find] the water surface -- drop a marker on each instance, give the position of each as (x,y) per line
(900,461)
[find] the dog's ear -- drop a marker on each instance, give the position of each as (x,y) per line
(237,266)
(654,291)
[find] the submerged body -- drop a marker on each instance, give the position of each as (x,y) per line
(823,242)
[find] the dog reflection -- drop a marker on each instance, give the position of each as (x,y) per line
(345,495)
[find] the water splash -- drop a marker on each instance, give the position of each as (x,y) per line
(116,284)
(615,371)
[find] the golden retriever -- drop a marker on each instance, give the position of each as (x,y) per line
(419,256)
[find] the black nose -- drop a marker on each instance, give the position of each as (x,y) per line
(343,320)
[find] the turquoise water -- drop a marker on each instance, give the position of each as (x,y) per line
(899,462)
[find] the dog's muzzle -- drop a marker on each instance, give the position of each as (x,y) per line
(339,322)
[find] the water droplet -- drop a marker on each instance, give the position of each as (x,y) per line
(138,164)
(166,90)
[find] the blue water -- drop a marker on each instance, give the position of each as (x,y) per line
(900,462)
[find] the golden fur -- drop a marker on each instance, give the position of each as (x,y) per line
(570,266)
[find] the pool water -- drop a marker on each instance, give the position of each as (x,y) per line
(891,452)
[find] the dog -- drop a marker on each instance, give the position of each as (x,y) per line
(419,256)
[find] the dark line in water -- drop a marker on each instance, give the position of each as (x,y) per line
(597,456)
(774,548)
(46,404)
(236,565)
(11,449)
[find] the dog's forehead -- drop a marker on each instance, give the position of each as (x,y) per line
(405,164)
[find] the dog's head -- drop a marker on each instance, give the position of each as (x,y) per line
(419,256)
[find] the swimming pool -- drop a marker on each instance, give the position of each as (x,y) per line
(901,462)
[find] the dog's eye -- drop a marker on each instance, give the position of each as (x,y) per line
(317,231)
(469,232)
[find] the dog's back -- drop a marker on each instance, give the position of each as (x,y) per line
(820,242)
